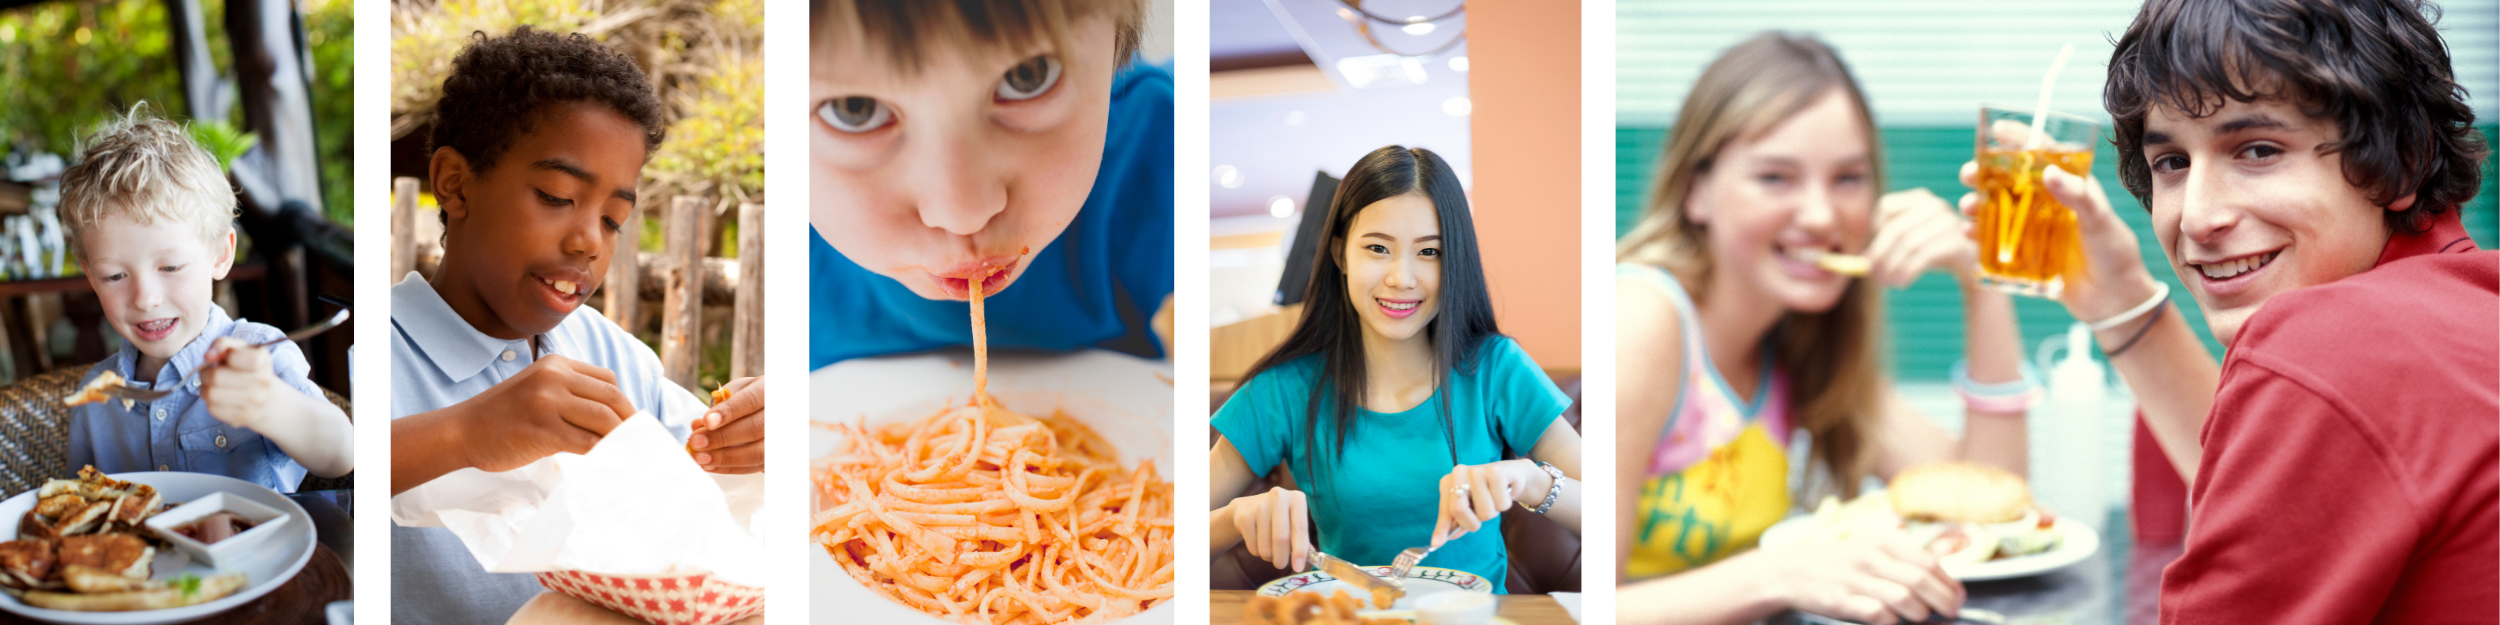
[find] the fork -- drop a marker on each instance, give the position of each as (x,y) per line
(124,391)
(1407,559)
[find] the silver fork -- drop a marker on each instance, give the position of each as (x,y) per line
(124,391)
(1407,559)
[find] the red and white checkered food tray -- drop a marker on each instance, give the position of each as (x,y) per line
(689,599)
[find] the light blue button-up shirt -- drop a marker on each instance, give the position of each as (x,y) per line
(175,432)
(437,360)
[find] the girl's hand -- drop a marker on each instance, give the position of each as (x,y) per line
(1275,526)
(1916,231)
(1874,580)
(1473,495)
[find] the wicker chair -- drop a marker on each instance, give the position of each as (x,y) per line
(34,433)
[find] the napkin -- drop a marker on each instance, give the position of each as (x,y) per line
(635,505)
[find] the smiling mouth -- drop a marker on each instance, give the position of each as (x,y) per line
(154,326)
(567,287)
(1398,309)
(2234,268)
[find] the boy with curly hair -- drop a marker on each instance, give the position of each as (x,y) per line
(538,144)
(153,220)
(2304,163)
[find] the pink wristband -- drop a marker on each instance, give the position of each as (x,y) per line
(2000,404)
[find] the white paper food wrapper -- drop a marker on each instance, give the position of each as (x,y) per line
(635,505)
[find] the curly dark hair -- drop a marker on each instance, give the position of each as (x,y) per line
(498,85)
(2376,67)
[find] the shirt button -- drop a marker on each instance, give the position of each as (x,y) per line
(508,355)
(221,440)
(160,414)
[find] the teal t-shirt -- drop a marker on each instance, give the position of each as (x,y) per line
(1382,494)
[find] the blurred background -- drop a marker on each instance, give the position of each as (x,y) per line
(1300,90)
(1303,88)
(263,84)
(1927,66)
(703,190)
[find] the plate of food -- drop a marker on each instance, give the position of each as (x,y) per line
(82,550)
(1317,598)
(948,487)
(1980,521)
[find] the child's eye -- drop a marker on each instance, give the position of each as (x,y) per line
(1376,248)
(855,114)
(1029,79)
(552,200)
(1432,252)
(2261,152)
(1773,179)
(116,277)
(170,268)
(610,222)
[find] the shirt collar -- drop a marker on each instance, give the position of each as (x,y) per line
(183,362)
(456,348)
(2445,236)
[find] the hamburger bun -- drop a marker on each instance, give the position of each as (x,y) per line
(1960,492)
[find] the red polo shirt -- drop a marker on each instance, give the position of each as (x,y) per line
(2352,459)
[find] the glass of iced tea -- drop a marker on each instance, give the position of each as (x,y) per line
(2027,240)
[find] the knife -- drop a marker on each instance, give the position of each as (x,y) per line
(1357,576)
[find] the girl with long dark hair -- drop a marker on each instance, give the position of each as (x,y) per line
(1396,406)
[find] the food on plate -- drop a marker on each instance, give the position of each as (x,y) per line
(1309,608)
(1384,597)
(80,549)
(99,389)
(981,515)
(215,527)
(1961,512)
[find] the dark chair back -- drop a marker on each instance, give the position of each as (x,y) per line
(34,432)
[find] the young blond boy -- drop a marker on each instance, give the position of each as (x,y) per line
(151,216)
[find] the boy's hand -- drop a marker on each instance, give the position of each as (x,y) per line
(238,385)
(730,437)
(555,405)
(2113,278)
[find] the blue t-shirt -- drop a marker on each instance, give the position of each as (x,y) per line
(1382,495)
(1097,285)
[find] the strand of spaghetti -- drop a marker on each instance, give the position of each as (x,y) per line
(980,341)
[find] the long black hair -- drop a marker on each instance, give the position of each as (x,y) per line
(1331,326)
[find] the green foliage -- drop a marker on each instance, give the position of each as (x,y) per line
(66,66)
(330,32)
(223,141)
(717,145)
(425,37)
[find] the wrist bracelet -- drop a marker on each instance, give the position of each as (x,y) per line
(1552,492)
(2108,354)
(2161,293)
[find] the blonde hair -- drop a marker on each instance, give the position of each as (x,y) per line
(903,31)
(1836,378)
(147,170)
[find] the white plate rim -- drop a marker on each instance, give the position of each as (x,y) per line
(1014,377)
(11,512)
(2076,542)
(1276,588)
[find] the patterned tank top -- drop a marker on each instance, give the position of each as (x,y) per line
(1719,475)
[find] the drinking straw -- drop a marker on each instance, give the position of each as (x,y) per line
(2009,239)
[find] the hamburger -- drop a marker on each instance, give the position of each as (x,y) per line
(1966,512)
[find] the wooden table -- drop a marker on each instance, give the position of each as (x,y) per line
(1521,609)
(553,607)
(302,599)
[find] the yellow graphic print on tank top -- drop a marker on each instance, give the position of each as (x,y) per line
(1719,475)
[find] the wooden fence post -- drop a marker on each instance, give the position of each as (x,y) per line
(746,345)
(403,227)
(681,349)
(624,291)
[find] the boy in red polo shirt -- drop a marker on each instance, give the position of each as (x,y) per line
(2304,163)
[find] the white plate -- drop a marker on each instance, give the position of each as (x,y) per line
(1125,399)
(2076,542)
(284,555)
(1420,581)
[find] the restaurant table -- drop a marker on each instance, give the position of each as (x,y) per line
(2119,584)
(1522,609)
(555,608)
